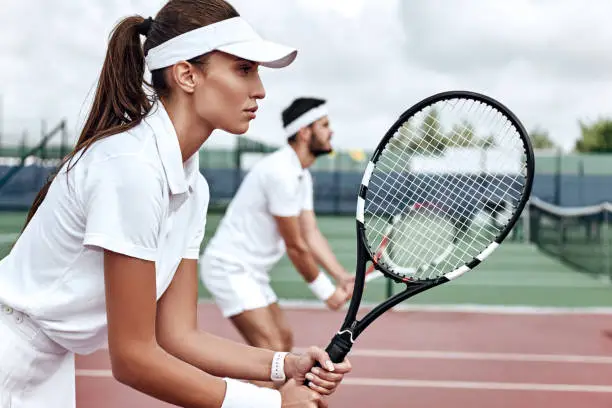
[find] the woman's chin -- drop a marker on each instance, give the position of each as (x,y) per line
(238,128)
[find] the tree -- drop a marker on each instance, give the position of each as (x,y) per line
(426,139)
(404,139)
(540,139)
(462,135)
(596,137)
(488,142)
(431,138)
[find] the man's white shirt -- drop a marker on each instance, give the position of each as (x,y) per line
(277,185)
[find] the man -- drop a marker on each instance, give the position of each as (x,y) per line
(272,213)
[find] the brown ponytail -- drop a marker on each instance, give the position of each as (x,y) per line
(120,102)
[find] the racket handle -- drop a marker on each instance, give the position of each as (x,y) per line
(340,346)
(337,349)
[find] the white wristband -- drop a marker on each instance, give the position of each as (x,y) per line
(277,373)
(239,394)
(322,286)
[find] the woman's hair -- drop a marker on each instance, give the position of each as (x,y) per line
(120,101)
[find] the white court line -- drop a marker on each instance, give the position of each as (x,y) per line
(497,386)
(504,282)
(455,308)
(460,355)
(381,382)
(8,238)
(475,356)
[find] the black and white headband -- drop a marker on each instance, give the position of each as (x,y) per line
(306,119)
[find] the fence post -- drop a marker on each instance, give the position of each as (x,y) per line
(64,143)
(526,224)
(237,164)
(1,121)
(581,182)
(389,290)
(336,166)
(557,198)
(43,149)
(606,243)
(22,144)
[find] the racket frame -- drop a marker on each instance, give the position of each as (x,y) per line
(352,327)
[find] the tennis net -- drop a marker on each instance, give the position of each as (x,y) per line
(579,236)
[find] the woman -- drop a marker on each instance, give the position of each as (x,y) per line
(110,247)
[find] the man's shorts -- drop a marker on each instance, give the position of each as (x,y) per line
(234,287)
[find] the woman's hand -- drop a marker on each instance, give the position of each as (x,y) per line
(294,395)
(324,379)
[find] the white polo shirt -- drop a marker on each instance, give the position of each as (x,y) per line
(277,185)
(129,193)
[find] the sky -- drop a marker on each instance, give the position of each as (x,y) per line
(548,60)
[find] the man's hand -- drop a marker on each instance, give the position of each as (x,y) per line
(347,283)
(338,299)
(324,379)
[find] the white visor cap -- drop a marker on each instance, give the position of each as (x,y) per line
(233,36)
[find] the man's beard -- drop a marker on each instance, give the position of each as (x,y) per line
(317,149)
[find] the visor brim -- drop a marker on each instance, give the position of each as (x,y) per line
(266,53)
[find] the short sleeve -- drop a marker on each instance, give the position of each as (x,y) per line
(284,195)
(123,202)
(202,198)
(307,192)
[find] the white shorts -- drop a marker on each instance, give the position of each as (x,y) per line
(234,288)
(34,371)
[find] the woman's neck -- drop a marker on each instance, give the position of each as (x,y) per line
(191,132)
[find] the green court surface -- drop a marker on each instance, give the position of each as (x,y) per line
(516,274)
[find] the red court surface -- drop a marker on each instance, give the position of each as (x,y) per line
(422,359)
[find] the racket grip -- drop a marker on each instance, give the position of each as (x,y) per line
(337,349)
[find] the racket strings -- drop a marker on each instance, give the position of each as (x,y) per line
(464,216)
(433,237)
(458,197)
(400,180)
(404,232)
(409,230)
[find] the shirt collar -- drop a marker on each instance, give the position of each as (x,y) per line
(295,160)
(181,177)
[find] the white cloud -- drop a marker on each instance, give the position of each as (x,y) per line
(346,8)
(548,60)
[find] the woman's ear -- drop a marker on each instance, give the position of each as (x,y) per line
(183,73)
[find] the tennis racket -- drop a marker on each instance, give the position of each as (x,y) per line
(440,193)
